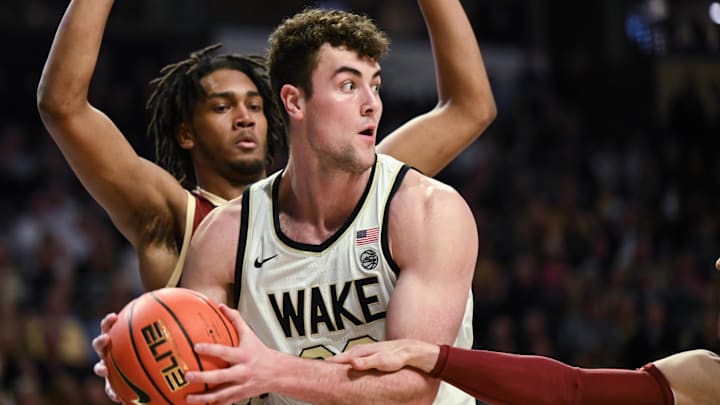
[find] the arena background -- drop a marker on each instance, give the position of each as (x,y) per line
(595,190)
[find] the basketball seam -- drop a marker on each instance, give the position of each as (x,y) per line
(184,332)
(137,354)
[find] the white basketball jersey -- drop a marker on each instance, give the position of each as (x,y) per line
(318,300)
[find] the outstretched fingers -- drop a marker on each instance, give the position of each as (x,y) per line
(223,352)
(371,356)
(100,344)
(354,356)
(247,373)
(101,341)
(107,322)
(214,377)
(236,357)
(100,369)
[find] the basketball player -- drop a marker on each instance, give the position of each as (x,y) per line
(502,378)
(215,123)
(342,246)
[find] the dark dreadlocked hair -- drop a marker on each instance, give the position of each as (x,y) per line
(178,89)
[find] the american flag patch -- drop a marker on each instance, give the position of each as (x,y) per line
(366,236)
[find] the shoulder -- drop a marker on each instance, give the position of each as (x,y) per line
(220,221)
(420,191)
(430,226)
(424,204)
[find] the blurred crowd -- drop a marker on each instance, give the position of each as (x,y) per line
(597,219)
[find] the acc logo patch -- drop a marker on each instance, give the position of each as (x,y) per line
(369,259)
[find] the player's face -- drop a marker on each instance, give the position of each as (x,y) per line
(229,126)
(344,109)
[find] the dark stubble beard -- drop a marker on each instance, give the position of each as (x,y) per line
(249,171)
(346,159)
(349,161)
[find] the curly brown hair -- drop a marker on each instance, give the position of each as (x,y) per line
(294,45)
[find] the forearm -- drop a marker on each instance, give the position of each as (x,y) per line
(405,386)
(461,76)
(68,71)
(506,378)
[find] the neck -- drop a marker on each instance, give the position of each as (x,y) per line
(324,198)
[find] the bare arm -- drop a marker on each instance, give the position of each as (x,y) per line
(433,287)
(465,106)
(145,202)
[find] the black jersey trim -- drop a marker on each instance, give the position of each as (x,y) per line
(242,244)
(384,239)
(310,247)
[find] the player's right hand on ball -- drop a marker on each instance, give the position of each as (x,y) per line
(100,344)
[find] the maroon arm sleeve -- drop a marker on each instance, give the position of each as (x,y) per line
(501,378)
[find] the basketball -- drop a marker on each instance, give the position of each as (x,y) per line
(151,345)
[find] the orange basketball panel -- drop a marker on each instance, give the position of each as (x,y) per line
(151,345)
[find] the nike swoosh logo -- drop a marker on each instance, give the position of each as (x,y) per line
(259,263)
(142,396)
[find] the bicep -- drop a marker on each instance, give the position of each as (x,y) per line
(122,182)
(436,267)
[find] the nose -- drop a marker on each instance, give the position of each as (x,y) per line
(244,119)
(372,103)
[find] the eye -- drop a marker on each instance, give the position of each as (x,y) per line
(347,86)
(376,87)
(255,107)
(221,108)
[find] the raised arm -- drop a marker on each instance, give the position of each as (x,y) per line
(433,240)
(144,201)
(465,106)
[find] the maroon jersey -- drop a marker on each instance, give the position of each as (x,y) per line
(199,205)
(502,378)
(203,206)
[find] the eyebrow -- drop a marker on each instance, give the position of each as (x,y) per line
(353,71)
(232,94)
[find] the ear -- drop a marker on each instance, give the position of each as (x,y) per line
(293,100)
(185,136)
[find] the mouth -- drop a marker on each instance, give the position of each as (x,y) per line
(370,131)
(246,141)
(246,144)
